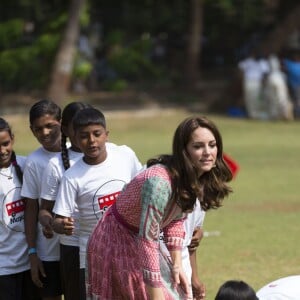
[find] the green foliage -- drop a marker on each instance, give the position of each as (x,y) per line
(82,69)
(84,17)
(47,43)
(10,33)
(130,61)
(230,27)
(115,37)
(28,66)
(57,23)
(117,85)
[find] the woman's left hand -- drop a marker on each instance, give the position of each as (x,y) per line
(180,278)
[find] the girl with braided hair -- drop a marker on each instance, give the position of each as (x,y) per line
(15,279)
(69,247)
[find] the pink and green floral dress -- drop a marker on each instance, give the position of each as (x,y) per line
(123,252)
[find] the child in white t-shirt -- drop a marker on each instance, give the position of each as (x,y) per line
(193,234)
(69,245)
(44,117)
(93,183)
(15,279)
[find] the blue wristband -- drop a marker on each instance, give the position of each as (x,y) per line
(31,251)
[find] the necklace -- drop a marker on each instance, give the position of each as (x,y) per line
(9,177)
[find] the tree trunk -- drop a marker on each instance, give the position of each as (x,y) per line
(277,38)
(194,42)
(63,64)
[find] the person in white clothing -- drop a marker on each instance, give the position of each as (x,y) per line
(94,182)
(286,288)
(254,70)
(44,117)
(193,234)
(276,92)
(69,245)
(15,279)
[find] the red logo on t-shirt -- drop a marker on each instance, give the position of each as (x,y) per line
(15,207)
(107,200)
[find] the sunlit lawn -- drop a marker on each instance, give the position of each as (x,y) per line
(255,235)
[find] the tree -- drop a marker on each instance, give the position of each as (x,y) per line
(60,77)
(194,42)
(276,39)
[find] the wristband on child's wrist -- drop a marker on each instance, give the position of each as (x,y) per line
(31,251)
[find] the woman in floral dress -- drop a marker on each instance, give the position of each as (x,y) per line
(123,254)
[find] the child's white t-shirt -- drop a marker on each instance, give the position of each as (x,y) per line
(287,288)
(36,163)
(50,184)
(93,188)
(13,246)
(194,220)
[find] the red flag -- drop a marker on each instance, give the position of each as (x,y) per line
(232,164)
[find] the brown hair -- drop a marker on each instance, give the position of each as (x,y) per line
(210,188)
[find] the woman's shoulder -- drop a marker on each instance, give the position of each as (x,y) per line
(157,170)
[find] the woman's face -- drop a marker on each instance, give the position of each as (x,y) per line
(202,149)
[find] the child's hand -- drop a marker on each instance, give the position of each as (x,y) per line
(68,226)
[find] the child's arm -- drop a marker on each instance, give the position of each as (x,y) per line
(46,217)
(197,286)
(30,221)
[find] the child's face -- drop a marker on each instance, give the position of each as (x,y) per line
(46,130)
(91,141)
(6,148)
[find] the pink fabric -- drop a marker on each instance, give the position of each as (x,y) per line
(120,259)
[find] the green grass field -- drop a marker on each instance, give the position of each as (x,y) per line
(258,227)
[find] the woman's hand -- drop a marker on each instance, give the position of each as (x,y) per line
(181,279)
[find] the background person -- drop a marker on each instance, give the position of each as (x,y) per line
(276,92)
(254,70)
(291,66)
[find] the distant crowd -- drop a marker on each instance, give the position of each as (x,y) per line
(271,86)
